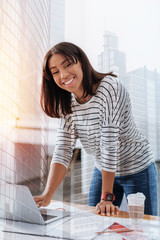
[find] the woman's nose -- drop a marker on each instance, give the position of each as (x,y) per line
(64,73)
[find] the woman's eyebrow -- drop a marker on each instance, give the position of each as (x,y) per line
(66,60)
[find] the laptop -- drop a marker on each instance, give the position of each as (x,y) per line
(17,204)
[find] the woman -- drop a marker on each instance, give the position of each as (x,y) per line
(95,108)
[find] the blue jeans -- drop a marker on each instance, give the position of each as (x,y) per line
(144,181)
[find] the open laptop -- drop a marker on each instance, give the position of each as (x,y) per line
(17,203)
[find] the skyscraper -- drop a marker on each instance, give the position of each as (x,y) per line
(112,59)
(57,34)
(143,86)
(24,34)
(57,24)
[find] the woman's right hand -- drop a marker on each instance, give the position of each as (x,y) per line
(42,200)
(56,174)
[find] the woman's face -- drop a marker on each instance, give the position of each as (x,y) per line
(66,74)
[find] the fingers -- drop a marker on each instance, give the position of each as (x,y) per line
(107,208)
(103,209)
(38,200)
(117,210)
(98,208)
(39,204)
(41,201)
(112,209)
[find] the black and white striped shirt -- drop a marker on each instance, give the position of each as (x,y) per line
(106,129)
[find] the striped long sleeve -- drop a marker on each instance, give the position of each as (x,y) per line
(106,129)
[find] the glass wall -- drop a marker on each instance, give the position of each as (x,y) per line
(24,40)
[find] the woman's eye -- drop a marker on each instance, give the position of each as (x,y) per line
(68,64)
(53,73)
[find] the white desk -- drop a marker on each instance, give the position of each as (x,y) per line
(90,218)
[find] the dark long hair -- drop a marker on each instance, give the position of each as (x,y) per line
(56,102)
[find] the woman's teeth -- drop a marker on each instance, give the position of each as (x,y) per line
(68,82)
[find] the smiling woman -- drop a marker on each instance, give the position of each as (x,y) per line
(64,68)
(95,108)
(67,74)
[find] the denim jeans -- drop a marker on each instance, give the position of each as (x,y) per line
(144,181)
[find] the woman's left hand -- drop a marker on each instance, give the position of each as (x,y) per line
(106,208)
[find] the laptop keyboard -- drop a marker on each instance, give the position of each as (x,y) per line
(47,217)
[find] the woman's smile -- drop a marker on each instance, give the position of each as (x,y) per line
(67,74)
(69,81)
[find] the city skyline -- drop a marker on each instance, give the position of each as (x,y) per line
(142,85)
(135,22)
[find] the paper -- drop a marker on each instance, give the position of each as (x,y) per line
(140,230)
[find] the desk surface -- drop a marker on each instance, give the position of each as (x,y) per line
(121,214)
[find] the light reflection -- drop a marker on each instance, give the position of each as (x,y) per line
(23,140)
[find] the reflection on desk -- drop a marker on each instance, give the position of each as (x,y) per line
(84,223)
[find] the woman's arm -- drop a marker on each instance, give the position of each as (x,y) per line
(107,181)
(106,207)
(55,177)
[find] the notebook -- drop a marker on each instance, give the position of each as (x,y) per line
(17,203)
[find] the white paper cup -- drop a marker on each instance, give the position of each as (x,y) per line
(136,205)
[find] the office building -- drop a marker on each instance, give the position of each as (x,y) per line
(24,40)
(112,59)
(143,86)
(57,23)
(57,34)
